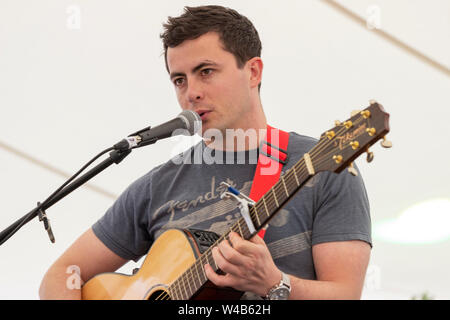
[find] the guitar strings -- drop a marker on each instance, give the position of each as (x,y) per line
(287,178)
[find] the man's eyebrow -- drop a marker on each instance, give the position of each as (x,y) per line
(195,69)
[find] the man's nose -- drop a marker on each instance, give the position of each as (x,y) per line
(195,91)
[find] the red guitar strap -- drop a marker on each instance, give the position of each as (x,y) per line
(272,156)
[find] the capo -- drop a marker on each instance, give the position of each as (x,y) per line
(244,204)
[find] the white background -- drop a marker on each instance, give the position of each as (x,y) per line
(77,76)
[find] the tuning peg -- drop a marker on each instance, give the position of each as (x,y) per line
(354,144)
(369,156)
(352,169)
(365,114)
(337,123)
(330,134)
(348,124)
(371,101)
(386,143)
(371,131)
(337,158)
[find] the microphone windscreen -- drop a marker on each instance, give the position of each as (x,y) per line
(192,120)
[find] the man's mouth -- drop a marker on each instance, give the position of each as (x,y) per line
(203,114)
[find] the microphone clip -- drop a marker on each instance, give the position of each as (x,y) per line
(48,228)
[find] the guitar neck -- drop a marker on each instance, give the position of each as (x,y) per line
(264,209)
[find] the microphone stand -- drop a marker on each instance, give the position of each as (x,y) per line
(115,156)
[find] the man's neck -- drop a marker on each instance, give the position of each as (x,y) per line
(246,135)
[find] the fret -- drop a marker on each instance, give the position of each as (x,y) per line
(290,183)
(209,255)
(173,288)
(175,291)
(169,292)
(188,280)
(233,227)
(183,285)
(226,236)
(284,184)
(191,281)
(180,288)
(202,268)
(295,175)
(188,286)
(257,215)
(246,230)
(200,279)
(203,278)
(265,206)
(198,276)
(239,226)
(172,292)
(275,196)
(216,267)
(179,291)
(201,275)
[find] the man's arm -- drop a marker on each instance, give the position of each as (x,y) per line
(340,268)
(87,254)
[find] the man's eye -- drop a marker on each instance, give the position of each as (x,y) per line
(207,71)
(178,81)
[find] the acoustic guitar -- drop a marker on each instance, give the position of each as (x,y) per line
(173,268)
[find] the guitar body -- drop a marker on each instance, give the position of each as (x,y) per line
(171,254)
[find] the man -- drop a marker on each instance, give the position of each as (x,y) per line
(319,243)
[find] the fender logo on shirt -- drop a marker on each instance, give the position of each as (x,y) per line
(172,206)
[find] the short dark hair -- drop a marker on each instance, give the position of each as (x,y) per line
(236,32)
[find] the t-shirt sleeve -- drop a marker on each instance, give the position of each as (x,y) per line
(123,228)
(343,209)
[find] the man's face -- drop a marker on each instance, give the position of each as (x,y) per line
(207,80)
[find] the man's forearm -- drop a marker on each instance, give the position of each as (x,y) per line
(302,289)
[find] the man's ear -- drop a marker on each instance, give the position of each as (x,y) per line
(255,67)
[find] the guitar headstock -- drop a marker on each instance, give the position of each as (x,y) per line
(339,146)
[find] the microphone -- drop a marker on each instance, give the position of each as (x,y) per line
(186,123)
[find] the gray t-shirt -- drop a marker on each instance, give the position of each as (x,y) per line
(330,207)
